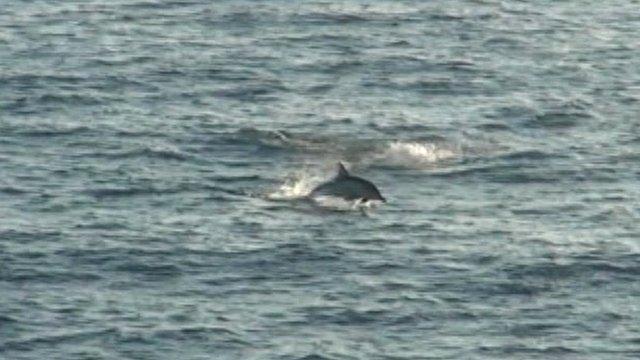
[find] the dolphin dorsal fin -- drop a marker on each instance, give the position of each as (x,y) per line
(342,172)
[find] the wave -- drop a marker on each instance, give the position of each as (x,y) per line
(558,119)
(529,155)
(49,130)
(314,357)
(41,275)
(60,337)
(282,140)
(502,173)
(329,17)
(13,190)
(125,191)
(270,138)
(159,152)
(31,235)
(415,154)
(31,80)
(71,99)
(346,13)
(260,90)
(198,331)
(144,190)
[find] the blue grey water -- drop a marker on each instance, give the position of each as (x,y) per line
(155,155)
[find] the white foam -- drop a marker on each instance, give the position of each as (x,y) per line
(415,154)
(340,204)
(296,187)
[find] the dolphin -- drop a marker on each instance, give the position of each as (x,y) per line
(348,187)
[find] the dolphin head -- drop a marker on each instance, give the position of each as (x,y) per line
(369,191)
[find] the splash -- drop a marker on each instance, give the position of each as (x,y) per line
(414,154)
(296,187)
(340,204)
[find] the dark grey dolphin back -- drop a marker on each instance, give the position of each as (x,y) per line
(348,187)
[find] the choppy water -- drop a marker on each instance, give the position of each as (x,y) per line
(153,156)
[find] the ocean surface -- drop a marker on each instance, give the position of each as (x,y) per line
(155,158)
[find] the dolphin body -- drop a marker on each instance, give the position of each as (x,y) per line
(348,187)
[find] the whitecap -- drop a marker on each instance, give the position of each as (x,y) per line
(415,154)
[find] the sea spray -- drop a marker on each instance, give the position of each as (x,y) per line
(415,154)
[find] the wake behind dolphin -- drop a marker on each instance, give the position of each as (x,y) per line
(348,187)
